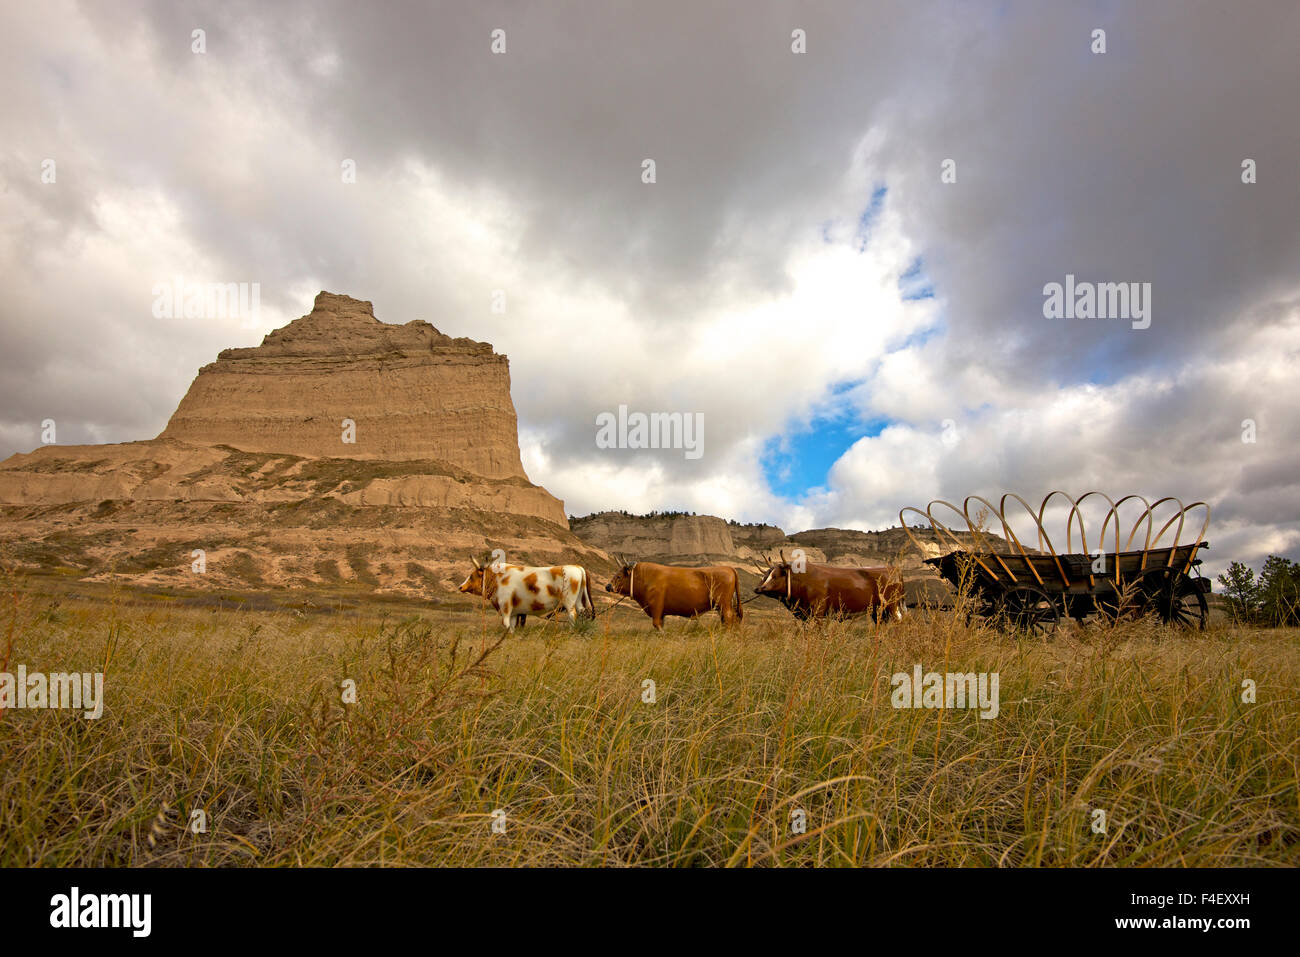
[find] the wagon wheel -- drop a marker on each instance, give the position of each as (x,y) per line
(1029,610)
(1175,598)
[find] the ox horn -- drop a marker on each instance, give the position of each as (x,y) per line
(477,563)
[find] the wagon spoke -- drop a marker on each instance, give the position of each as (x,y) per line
(1175,598)
(1029,610)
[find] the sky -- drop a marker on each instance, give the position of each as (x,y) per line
(840,264)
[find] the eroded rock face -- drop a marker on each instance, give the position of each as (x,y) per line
(658,538)
(252,471)
(681,539)
(305,545)
(165,470)
(412,392)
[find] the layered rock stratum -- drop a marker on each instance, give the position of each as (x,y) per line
(253,470)
(411,392)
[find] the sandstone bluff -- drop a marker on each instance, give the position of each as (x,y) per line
(254,470)
(414,392)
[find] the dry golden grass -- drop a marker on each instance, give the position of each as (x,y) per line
(240,714)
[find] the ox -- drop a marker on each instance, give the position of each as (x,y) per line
(823,590)
(672,590)
(516,591)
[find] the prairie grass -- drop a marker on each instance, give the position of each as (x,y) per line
(239,714)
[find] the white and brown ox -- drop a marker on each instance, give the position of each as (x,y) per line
(517,591)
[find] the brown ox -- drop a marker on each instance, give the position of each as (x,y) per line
(819,591)
(672,590)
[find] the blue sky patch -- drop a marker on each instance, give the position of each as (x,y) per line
(869,216)
(913,283)
(800,460)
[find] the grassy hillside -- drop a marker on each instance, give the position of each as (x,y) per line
(239,714)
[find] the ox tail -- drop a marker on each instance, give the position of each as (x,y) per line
(899,594)
(735,587)
(586,593)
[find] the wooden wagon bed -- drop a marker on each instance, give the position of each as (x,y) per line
(1031,589)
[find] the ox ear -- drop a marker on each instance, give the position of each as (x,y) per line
(783,556)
